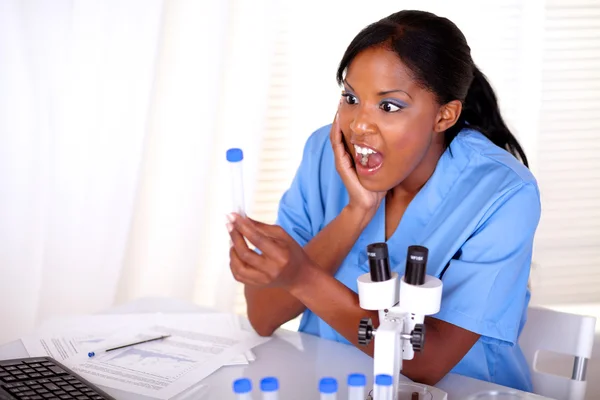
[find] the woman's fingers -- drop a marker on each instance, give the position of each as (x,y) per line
(272,231)
(335,136)
(242,250)
(280,256)
(257,237)
(343,159)
(243,273)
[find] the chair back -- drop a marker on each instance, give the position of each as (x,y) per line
(563,333)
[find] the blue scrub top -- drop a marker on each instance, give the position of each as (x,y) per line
(477,215)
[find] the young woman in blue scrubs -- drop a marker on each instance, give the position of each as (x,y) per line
(418,153)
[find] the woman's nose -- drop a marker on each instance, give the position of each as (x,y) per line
(362,124)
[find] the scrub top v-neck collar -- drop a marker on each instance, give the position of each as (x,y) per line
(417,221)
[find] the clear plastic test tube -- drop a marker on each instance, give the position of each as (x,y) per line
(242,388)
(384,387)
(235,159)
(328,387)
(356,386)
(269,386)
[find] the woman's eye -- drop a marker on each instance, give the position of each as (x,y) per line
(389,107)
(350,99)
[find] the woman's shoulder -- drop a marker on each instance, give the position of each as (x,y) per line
(487,158)
(480,178)
(491,181)
(318,141)
(317,156)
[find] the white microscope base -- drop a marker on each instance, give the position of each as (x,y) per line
(426,392)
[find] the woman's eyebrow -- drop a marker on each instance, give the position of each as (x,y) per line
(393,91)
(349,85)
(381,93)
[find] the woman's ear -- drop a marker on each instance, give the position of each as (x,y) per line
(448,115)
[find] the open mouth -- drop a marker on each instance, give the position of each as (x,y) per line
(367,158)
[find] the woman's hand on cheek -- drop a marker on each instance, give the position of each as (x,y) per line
(281,260)
(360,198)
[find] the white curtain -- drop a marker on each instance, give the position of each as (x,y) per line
(210,95)
(76,79)
(114,120)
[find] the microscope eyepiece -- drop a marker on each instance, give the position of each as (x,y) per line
(379,264)
(416,265)
(377,251)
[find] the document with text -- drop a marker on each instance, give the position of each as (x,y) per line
(198,345)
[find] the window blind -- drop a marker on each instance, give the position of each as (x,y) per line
(567,250)
(275,168)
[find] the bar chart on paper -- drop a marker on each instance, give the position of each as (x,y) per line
(151,361)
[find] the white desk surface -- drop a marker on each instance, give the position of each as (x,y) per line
(297,359)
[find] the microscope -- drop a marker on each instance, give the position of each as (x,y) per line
(402,303)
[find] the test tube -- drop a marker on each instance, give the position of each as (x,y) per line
(328,387)
(356,386)
(243,389)
(269,386)
(235,157)
(384,388)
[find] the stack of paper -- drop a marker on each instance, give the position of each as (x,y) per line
(199,345)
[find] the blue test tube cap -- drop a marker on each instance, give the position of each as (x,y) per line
(383,380)
(269,384)
(357,380)
(235,155)
(242,385)
(328,385)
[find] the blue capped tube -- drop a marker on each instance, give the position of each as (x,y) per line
(269,386)
(243,389)
(356,386)
(383,388)
(235,158)
(328,387)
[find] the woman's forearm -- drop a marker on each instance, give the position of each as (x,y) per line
(327,250)
(334,303)
(333,243)
(269,308)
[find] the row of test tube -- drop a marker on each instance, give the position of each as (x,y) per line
(328,388)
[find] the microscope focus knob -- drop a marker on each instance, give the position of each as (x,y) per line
(365,331)
(418,337)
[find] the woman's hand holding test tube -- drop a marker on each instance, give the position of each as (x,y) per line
(281,260)
(282,257)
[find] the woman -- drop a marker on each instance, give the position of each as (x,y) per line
(418,153)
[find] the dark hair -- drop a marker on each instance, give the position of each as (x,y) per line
(438,55)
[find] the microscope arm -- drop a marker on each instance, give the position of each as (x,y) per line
(402,308)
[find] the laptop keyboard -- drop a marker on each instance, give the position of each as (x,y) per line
(40,378)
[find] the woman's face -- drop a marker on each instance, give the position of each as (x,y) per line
(390,124)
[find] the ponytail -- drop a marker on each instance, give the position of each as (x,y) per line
(481,112)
